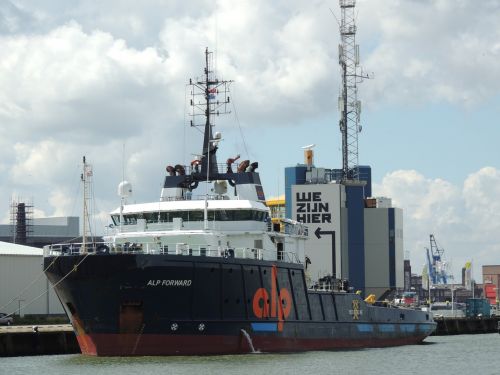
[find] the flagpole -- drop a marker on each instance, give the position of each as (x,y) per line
(472,276)
(429,286)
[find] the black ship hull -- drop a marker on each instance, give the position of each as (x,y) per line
(138,304)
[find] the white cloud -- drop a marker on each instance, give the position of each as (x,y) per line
(481,195)
(41,163)
(61,201)
(68,93)
(83,78)
(72,84)
(443,51)
(464,219)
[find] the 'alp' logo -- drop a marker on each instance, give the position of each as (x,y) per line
(279,305)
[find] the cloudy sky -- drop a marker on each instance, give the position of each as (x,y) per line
(107,80)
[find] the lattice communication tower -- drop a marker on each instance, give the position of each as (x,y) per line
(349,105)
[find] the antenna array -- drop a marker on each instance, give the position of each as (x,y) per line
(209,98)
(349,105)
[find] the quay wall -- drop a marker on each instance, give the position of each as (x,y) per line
(23,342)
(460,326)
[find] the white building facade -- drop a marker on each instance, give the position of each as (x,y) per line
(24,288)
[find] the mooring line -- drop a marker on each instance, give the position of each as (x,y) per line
(29,285)
(50,286)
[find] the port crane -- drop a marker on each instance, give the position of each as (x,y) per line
(436,265)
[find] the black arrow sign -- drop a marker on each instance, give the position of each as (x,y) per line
(318,232)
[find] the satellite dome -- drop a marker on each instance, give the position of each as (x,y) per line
(220,187)
(125,189)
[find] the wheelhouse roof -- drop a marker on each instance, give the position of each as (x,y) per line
(191,205)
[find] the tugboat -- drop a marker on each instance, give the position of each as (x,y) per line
(209,273)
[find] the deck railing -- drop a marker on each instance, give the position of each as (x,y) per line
(196,197)
(180,249)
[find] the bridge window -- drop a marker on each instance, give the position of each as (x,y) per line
(151,217)
(130,219)
(195,215)
(241,215)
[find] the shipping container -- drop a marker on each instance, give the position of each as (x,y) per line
(490,292)
(476,307)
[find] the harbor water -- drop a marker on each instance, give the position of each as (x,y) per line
(463,354)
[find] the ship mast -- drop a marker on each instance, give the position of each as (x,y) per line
(86,178)
(210,98)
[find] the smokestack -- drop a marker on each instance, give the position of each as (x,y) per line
(20,237)
(309,155)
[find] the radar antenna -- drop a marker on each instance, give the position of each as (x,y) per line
(209,98)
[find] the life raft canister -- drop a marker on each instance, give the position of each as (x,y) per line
(195,164)
(252,167)
(243,166)
(171,170)
(230,162)
(180,170)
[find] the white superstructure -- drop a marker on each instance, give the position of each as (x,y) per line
(205,208)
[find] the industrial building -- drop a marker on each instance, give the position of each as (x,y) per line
(491,283)
(41,231)
(24,289)
(443,293)
(351,235)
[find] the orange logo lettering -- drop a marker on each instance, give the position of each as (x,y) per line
(279,305)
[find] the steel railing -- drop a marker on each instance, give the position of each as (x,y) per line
(155,248)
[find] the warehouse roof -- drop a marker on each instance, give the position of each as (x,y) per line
(7,248)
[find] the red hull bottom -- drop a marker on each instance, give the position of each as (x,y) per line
(165,345)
